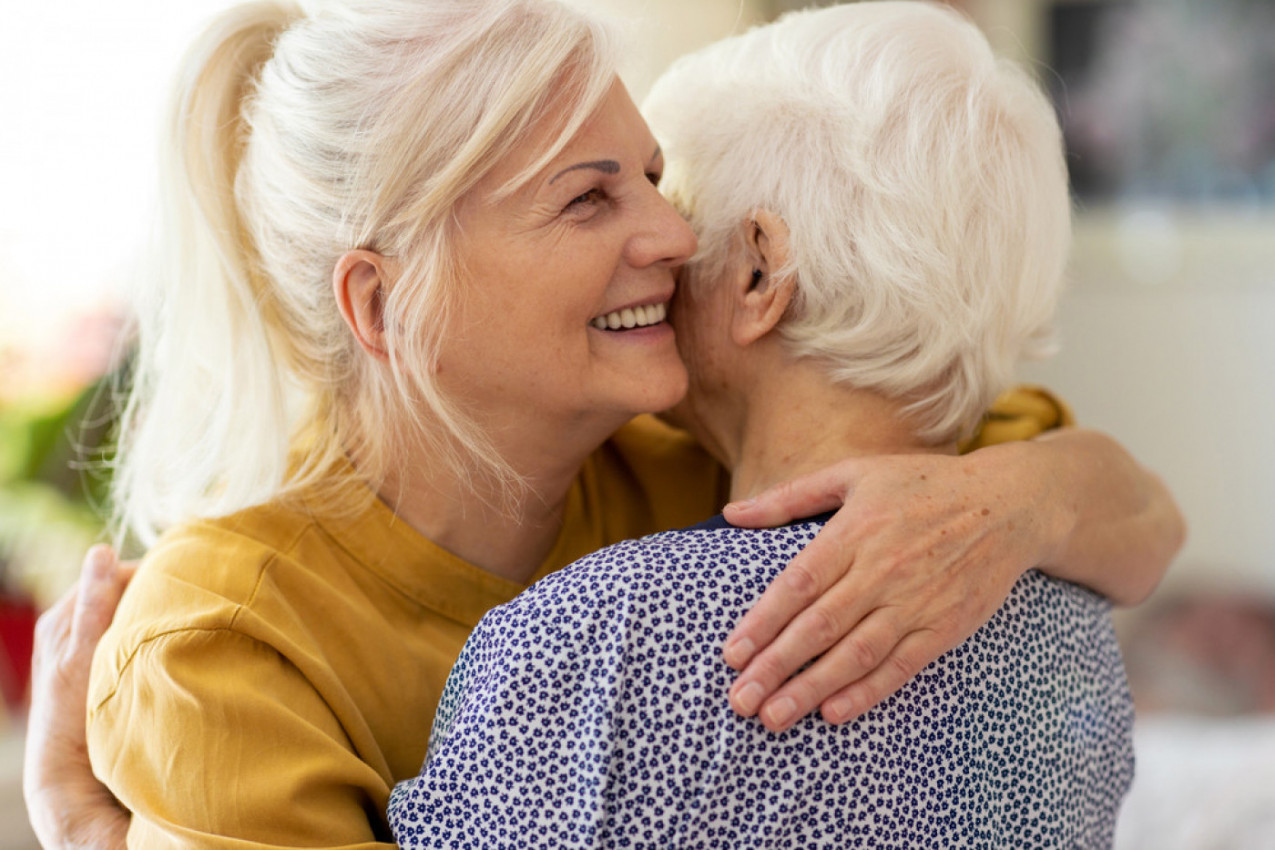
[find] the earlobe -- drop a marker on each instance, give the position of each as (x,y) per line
(358,283)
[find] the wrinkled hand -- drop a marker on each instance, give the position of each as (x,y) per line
(68,807)
(922,552)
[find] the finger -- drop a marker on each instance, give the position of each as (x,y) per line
(796,499)
(816,568)
(53,626)
(848,660)
(814,630)
(912,655)
(101,586)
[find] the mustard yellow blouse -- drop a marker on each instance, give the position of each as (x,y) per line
(270,675)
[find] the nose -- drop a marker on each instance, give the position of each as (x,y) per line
(665,237)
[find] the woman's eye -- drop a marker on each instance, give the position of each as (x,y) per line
(592,196)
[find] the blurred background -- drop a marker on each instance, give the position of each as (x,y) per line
(1168,108)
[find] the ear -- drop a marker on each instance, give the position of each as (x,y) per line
(765,292)
(358,282)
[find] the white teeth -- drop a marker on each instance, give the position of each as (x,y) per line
(631,317)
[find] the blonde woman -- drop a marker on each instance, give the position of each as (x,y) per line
(410,298)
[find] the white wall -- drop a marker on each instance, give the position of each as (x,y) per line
(662,30)
(1168,336)
(1174,354)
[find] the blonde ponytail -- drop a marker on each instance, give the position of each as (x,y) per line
(198,386)
(290,140)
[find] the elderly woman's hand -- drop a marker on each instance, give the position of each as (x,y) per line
(923,550)
(68,807)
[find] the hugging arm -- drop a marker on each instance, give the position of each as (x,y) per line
(924,548)
(908,567)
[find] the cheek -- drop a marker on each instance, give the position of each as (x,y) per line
(695,332)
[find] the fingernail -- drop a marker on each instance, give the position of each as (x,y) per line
(742,505)
(737,652)
(840,710)
(779,712)
(748,698)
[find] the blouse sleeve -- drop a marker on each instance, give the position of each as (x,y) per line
(1020,414)
(285,775)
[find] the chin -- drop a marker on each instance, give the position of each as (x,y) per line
(665,389)
(675,389)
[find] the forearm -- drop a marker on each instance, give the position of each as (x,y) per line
(1113,525)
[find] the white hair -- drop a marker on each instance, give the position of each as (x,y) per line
(922,181)
(292,139)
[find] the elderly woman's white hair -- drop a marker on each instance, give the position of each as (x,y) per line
(292,139)
(922,181)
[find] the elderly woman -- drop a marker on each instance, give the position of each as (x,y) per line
(410,297)
(883,217)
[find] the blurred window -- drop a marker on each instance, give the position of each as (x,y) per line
(1167,99)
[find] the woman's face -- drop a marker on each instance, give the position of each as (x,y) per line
(567,282)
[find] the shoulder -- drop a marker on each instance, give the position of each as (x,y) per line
(197,582)
(693,558)
(200,572)
(209,735)
(1036,598)
(659,582)
(1048,620)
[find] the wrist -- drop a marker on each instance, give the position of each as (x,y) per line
(1034,483)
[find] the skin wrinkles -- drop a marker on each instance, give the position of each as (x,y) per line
(556,211)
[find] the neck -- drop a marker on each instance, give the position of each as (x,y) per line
(793,420)
(474,518)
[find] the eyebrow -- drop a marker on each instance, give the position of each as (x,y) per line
(606,166)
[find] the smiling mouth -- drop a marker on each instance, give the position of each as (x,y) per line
(631,317)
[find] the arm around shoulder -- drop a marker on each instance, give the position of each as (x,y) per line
(924,548)
(1120,525)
